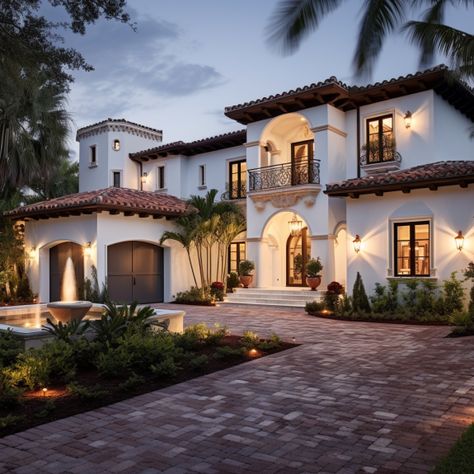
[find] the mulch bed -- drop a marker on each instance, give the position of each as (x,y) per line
(37,408)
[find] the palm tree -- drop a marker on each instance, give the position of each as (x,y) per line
(293,20)
(33,126)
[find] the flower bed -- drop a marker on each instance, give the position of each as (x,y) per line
(114,358)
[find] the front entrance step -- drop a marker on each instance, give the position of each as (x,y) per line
(293,297)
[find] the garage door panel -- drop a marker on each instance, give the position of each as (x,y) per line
(146,258)
(120,288)
(120,259)
(147,289)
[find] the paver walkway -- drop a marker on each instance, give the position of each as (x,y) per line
(354,397)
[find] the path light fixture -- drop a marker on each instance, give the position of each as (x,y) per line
(459,239)
(357,243)
(295,225)
(87,249)
(407,119)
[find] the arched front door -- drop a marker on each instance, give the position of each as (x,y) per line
(135,272)
(298,252)
(58,256)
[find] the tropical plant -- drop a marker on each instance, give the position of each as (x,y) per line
(246,267)
(293,20)
(314,267)
(66,331)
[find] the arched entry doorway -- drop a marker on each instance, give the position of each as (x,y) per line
(298,252)
(135,272)
(58,256)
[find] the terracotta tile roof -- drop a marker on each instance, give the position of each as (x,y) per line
(114,200)
(340,95)
(217,142)
(433,175)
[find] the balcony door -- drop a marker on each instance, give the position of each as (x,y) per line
(301,161)
(298,252)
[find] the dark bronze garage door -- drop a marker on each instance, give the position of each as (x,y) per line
(57,262)
(135,272)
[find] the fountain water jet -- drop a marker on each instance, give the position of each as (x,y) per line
(69,308)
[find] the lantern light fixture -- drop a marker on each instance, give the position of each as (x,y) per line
(32,253)
(295,225)
(357,243)
(407,118)
(144,177)
(459,239)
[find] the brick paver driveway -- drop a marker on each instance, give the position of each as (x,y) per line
(354,397)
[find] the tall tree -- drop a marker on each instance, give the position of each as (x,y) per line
(293,20)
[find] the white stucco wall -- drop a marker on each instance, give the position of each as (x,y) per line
(372,217)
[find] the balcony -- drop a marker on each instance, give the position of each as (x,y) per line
(284,184)
(380,159)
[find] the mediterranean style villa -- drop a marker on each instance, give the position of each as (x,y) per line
(376,179)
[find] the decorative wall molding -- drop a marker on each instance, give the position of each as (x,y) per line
(330,128)
(254,143)
(323,237)
(254,239)
(286,197)
(121,127)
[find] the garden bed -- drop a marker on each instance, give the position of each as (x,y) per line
(88,389)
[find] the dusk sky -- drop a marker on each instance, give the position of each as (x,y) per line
(189,59)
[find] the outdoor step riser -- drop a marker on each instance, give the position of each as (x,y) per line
(261,303)
(269,300)
(273,293)
(279,296)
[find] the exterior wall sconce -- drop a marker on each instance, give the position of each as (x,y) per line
(144,178)
(407,119)
(295,225)
(356,243)
(32,253)
(459,239)
(87,249)
(116,145)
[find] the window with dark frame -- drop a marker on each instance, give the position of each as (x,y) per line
(116,179)
(237,179)
(93,155)
(161,177)
(412,244)
(202,175)
(380,139)
(236,253)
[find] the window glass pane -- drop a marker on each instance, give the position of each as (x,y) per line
(403,232)
(412,246)
(387,124)
(116,179)
(373,126)
(422,249)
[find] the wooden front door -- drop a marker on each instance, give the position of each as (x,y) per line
(298,252)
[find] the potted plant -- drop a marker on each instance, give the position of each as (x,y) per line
(246,268)
(313,273)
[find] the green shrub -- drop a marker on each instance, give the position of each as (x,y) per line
(10,395)
(166,368)
(233,281)
(249,340)
(132,383)
(246,267)
(48,407)
(113,363)
(85,352)
(217,290)
(462,319)
(360,302)
(199,334)
(10,420)
(228,352)
(469,274)
(385,300)
(10,346)
(315,307)
(86,393)
(199,362)
(453,293)
(333,295)
(215,335)
(313,267)
(194,296)
(270,344)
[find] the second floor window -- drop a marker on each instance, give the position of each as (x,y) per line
(93,155)
(116,179)
(380,139)
(237,179)
(161,177)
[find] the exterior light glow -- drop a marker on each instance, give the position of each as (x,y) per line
(253,352)
(459,239)
(144,177)
(116,145)
(87,249)
(45,390)
(32,253)
(356,243)
(295,225)
(408,119)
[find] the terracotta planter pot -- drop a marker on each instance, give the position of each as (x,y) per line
(246,280)
(313,282)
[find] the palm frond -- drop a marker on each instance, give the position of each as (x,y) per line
(380,18)
(293,20)
(456,45)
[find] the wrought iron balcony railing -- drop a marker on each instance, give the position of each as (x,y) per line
(382,154)
(297,173)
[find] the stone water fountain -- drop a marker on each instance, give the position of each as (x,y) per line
(69,308)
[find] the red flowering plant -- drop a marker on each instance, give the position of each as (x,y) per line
(217,290)
(334,291)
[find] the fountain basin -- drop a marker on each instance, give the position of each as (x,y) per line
(67,311)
